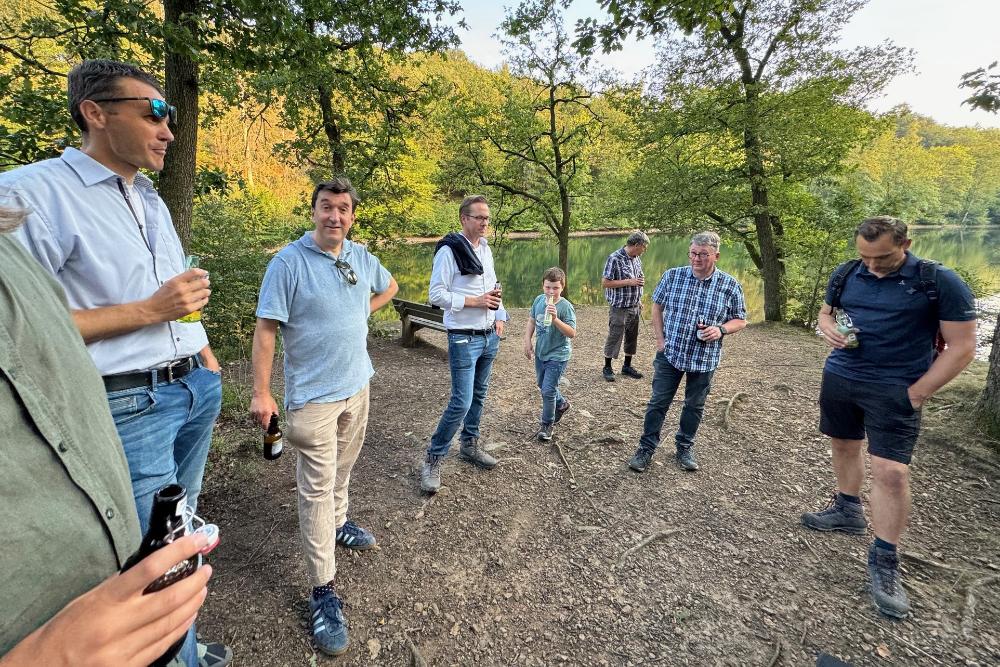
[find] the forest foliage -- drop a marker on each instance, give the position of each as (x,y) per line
(751,121)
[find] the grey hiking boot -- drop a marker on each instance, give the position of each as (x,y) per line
(430,475)
(640,461)
(686,460)
(841,514)
(544,433)
(887,590)
(473,452)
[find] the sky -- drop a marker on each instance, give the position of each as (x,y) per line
(949,38)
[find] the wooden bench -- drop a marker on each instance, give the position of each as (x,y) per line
(415,316)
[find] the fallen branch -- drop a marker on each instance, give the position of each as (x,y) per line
(805,628)
(636,414)
(969,613)
(774,656)
(416,660)
(898,637)
(729,407)
(924,560)
(810,547)
(572,477)
(649,538)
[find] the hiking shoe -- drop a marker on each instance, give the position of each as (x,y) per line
(641,460)
(609,374)
(329,627)
(628,371)
(561,409)
(473,452)
(430,475)
(214,655)
(886,588)
(840,514)
(353,536)
(686,460)
(545,433)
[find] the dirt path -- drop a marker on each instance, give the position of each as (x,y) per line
(532,565)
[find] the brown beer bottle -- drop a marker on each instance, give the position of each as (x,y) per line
(272,440)
(166,524)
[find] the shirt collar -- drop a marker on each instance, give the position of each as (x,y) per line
(710,279)
(91,172)
(309,242)
(907,270)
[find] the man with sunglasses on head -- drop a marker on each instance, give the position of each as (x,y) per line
(320,291)
(97,225)
(464,284)
(694,307)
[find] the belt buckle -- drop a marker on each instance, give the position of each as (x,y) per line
(171,367)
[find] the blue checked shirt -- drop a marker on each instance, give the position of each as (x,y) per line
(621,267)
(684,297)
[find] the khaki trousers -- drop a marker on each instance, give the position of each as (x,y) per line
(327,438)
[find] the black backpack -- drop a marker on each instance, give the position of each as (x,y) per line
(928,269)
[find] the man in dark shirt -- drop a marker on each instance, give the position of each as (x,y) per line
(877,388)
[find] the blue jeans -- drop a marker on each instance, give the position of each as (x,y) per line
(166,432)
(548,374)
(470,359)
(666,380)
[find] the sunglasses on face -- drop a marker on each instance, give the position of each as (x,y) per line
(345,270)
(159,108)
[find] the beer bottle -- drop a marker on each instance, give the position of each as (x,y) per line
(547,320)
(272,440)
(166,524)
(498,289)
(847,329)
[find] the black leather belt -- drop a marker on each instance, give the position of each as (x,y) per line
(470,332)
(152,377)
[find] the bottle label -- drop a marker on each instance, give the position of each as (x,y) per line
(276,446)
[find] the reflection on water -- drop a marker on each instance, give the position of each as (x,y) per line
(520,263)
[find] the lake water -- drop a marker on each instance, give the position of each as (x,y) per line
(520,263)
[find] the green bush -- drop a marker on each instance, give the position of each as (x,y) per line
(236,238)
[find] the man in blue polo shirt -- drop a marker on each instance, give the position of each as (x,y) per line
(693,308)
(878,387)
(320,291)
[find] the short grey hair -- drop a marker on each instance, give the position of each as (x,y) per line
(10,218)
(707,238)
(467,203)
(637,238)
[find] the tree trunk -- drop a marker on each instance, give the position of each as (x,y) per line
(338,152)
(181,83)
(989,403)
(772,270)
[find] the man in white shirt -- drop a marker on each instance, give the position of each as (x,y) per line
(464,283)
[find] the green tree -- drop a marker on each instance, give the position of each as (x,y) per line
(987,96)
(526,138)
(754,97)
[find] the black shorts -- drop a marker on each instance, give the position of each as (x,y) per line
(849,409)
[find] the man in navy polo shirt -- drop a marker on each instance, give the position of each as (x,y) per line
(878,387)
(320,290)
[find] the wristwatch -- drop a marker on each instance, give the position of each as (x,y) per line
(722,330)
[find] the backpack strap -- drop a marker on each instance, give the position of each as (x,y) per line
(928,280)
(839,277)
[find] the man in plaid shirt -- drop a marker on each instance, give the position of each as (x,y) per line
(694,307)
(622,282)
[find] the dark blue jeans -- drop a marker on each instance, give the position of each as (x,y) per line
(470,359)
(547,374)
(666,380)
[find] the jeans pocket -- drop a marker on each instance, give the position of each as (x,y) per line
(131,406)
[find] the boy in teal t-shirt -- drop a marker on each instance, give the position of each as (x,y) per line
(552,347)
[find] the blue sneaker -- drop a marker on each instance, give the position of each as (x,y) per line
(329,627)
(353,536)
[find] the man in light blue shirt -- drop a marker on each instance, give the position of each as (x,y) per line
(464,283)
(320,291)
(96,224)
